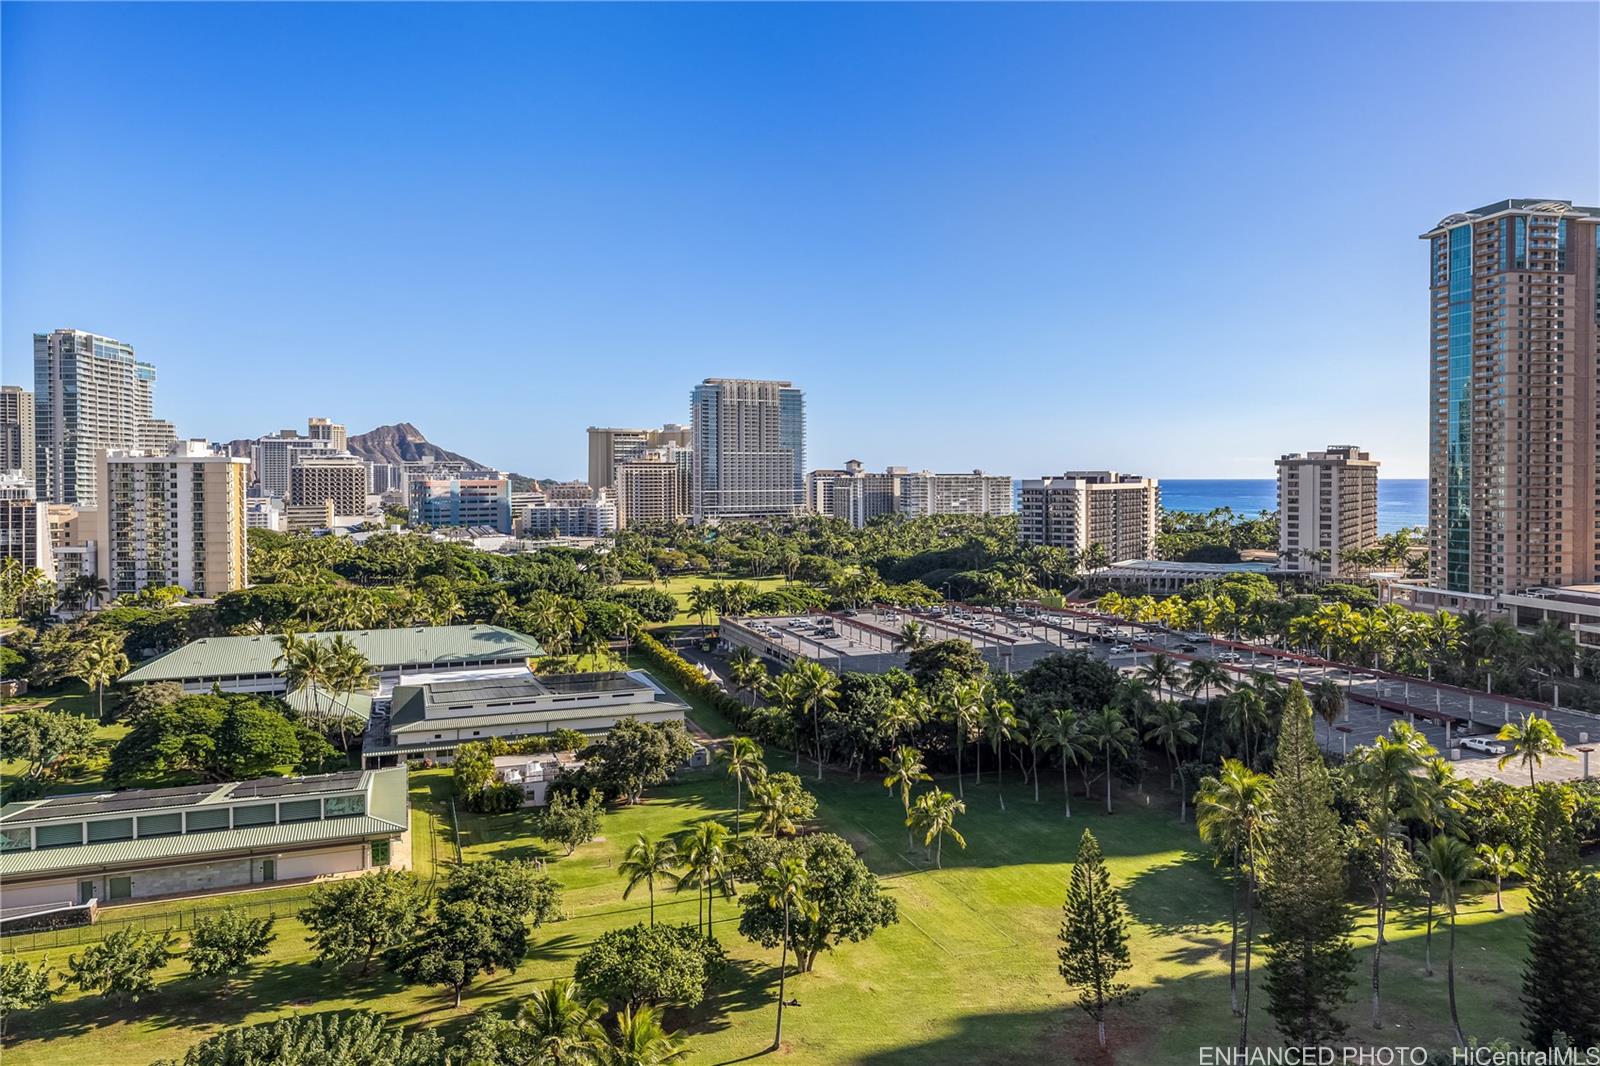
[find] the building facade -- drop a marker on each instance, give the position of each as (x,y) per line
(89,394)
(550,517)
(1514,367)
(272,457)
(654,486)
(609,446)
(977,493)
(1327,509)
(16,431)
(174,519)
(1121,513)
(463,502)
(749,448)
(332,432)
(315,477)
(24,524)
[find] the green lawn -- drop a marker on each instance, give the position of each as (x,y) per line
(967,976)
(680,585)
(75,698)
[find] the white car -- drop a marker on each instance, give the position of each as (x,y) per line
(1228,657)
(1121,649)
(1485,745)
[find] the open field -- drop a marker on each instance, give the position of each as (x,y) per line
(967,976)
(680,584)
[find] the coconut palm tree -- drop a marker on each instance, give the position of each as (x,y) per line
(788,882)
(1327,699)
(961,705)
(639,1039)
(1203,678)
(1244,710)
(775,809)
(348,671)
(818,688)
(702,601)
(743,756)
(1064,732)
(649,861)
(748,672)
(1230,812)
(1532,741)
(1110,734)
(999,725)
(904,769)
(564,1026)
(913,636)
(1172,727)
(1162,673)
(100,663)
(1452,870)
(934,814)
(1499,861)
(703,851)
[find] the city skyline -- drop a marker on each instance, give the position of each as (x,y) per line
(909,245)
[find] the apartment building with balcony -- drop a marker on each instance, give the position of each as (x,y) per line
(315,477)
(1327,510)
(749,440)
(16,431)
(1080,509)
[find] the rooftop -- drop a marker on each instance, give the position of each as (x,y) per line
(412,646)
(93,804)
(1173,566)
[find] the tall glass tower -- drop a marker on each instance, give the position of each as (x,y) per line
(749,440)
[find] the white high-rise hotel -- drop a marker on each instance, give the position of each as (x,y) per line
(1327,509)
(749,448)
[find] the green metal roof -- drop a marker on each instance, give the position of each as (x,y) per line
(315,703)
(413,646)
(388,812)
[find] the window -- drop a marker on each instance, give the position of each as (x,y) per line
(160,825)
(199,821)
(110,829)
(120,888)
(380,853)
(55,836)
(257,814)
(15,839)
(344,806)
(300,810)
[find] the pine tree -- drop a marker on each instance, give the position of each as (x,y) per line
(1094,936)
(1561,979)
(1309,970)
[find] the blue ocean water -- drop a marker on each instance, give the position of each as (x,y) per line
(1402,502)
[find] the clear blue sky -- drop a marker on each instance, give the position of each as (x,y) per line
(1173,239)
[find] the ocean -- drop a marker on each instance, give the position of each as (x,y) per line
(1402,502)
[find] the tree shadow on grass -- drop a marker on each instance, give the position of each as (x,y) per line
(1185,895)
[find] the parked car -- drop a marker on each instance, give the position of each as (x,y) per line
(1228,657)
(1187,648)
(1485,745)
(1121,649)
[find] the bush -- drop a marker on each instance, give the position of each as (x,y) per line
(331,1039)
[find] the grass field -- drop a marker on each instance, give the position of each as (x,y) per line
(680,585)
(75,698)
(967,976)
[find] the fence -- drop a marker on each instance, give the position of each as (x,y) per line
(282,904)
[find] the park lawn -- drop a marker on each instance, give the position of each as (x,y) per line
(967,976)
(680,584)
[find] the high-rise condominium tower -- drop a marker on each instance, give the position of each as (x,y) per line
(609,446)
(1121,513)
(1327,510)
(1514,448)
(89,393)
(16,431)
(332,432)
(749,448)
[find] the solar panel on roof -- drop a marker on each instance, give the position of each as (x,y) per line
(291,786)
(87,806)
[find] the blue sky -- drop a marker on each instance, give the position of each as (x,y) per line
(1172,239)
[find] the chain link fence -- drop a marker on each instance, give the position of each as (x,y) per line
(282,904)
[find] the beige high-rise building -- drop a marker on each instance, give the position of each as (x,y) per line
(174,519)
(654,487)
(272,456)
(1327,509)
(977,493)
(749,448)
(315,477)
(1514,453)
(89,394)
(1082,508)
(609,446)
(16,431)
(24,524)
(332,432)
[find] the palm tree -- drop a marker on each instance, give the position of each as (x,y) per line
(702,601)
(1532,740)
(748,672)
(703,850)
(913,636)
(648,861)
(1452,870)
(1327,699)
(962,704)
(1172,726)
(788,883)
(743,756)
(348,671)
(100,663)
(1204,677)
(904,769)
(818,687)
(1244,710)
(934,814)
(92,588)
(1386,772)
(1161,672)
(999,724)
(565,1027)
(1499,861)
(1230,810)
(784,692)
(641,1040)
(1108,731)
(774,808)
(1064,732)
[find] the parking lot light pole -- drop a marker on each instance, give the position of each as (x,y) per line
(1586,751)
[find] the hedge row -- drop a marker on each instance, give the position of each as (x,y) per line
(688,677)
